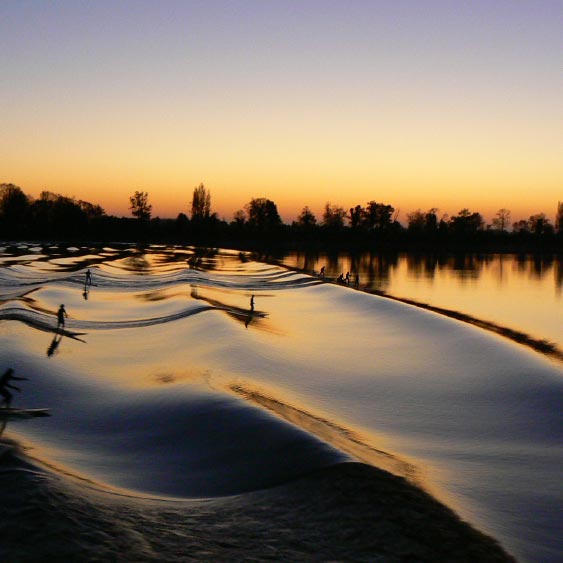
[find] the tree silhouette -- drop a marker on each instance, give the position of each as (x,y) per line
(357,215)
(139,206)
(260,225)
(559,217)
(263,214)
(416,222)
(14,208)
(239,218)
(520,226)
(306,219)
(181,225)
(431,220)
(501,220)
(92,211)
(378,216)
(333,216)
(466,223)
(201,204)
(539,224)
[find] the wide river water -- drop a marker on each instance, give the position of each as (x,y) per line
(197,374)
(522,292)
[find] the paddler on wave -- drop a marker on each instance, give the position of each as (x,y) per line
(61,314)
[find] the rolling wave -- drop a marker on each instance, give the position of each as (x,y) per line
(182,415)
(45,322)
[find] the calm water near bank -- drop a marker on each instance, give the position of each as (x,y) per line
(520,292)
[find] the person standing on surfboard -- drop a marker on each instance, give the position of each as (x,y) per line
(4,383)
(61,314)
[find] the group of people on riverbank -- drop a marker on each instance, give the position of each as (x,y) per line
(347,280)
(342,279)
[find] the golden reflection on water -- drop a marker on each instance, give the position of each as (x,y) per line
(351,441)
(520,292)
(378,380)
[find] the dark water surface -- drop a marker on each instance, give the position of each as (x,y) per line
(187,423)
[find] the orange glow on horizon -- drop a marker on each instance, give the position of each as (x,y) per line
(169,201)
(431,111)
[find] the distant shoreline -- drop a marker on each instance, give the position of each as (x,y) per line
(275,245)
(269,250)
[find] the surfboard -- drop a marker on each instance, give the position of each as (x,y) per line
(6,413)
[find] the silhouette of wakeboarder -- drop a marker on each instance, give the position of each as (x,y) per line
(61,314)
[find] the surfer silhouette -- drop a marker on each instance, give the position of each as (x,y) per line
(250,313)
(4,384)
(87,284)
(322,272)
(61,314)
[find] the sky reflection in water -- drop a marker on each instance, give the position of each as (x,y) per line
(166,382)
(521,292)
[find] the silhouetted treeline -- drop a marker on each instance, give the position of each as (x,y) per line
(56,217)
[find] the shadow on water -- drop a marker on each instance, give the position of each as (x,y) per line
(240,314)
(245,316)
(23,297)
(7,412)
(54,345)
(342,438)
(203,259)
(558,269)
(137,263)
(67,261)
(34,320)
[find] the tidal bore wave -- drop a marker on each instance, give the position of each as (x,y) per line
(205,406)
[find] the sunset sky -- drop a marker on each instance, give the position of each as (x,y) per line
(418,104)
